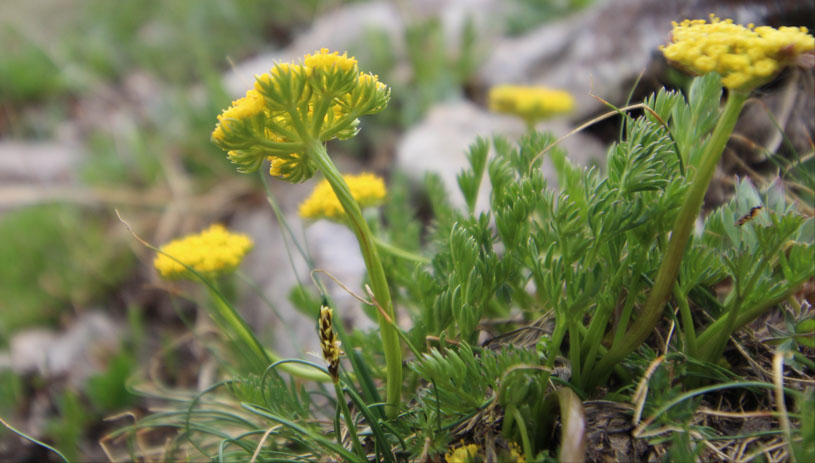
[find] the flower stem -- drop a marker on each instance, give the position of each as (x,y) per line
(379,284)
(238,328)
(668,270)
(349,422)
(715,329)
(399,252)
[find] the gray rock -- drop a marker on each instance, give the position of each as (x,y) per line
(602,50)
(37,162)
(75,353)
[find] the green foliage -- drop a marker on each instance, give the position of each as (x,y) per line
(469,181)
(26,70)
(803,446)
(438,71)
(767,257)
(304,300)
(174,39)
(11,393)
(69,426)
(593,248)
(524,15)
(571,265)
(459,382)
(107,391)
(402,231)
(113,162)
(274,394)
(62,257)
(692,123)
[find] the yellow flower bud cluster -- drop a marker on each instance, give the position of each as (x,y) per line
(326,60)
(296,104)
(213,252)
(473,453)
(464,454)
(241,109)
(366,188)
(745,57)
(530,103)
(276,164)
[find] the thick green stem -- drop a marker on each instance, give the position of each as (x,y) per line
(379,284)
(745,316)
(666,276)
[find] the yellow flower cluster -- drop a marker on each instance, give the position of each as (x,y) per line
(215,251)
(464,454)
(471,453)
(372,80)
(324,59)
(241,109)
(293,105)
(745,57)
(277,164)
(367,189)
(530,103)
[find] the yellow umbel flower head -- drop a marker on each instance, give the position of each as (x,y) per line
(213,252)
(530,103)
(465,454)
(745,57)
(241,110)
(366,188)
(325,60)
(294,105)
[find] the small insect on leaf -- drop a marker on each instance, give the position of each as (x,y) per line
(749,216)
